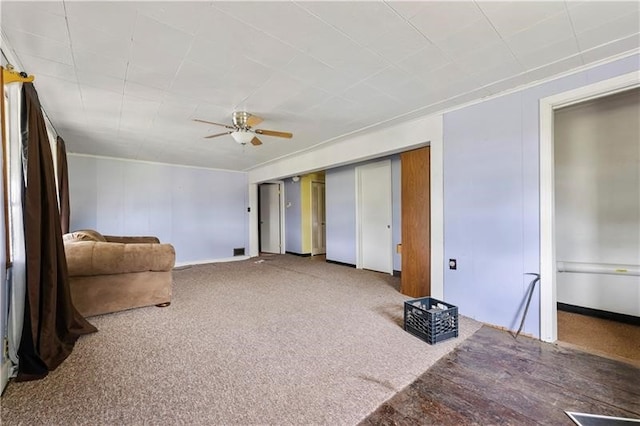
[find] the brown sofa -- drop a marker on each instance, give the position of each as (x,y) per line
(109,274)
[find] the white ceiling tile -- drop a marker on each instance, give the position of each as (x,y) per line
(496,73)
(33,20)
(428,58)
(266,50)
(342,53)
(39,46)
(334,109)
(116,17)
(556,27)
(398,43)
(143,92)
(102,101)
(95,63)
(303,100)
(217,57)
(488,56)
(56,93)
(587,15)
(151,33)
(316,73)
(160,60)
(407,9)
(439,20)
(106,43)
(510,17)
(183,16)
(609,31)
(446,74)
(100,81)
(48,67)
(196,81)
(354,18)
(476,35)
(396,83)
(548,54)
(284,20)
(363,93)
(273,93)
(150,77)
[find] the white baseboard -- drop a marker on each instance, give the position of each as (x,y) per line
(202,262)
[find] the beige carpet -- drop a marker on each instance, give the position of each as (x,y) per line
(283,341)
(600,336)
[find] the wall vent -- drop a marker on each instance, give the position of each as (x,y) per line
(238,251)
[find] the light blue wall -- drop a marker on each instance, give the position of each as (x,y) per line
(491,199)
(340,187)
(202,212)
(292,216)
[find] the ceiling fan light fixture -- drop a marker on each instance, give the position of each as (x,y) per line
(243,137)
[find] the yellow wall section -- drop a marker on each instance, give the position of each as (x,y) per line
(305,204)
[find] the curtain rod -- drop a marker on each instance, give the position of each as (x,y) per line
(11,76)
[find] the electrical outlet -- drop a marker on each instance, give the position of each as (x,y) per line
(453,264)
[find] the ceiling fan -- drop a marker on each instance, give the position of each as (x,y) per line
(242,130)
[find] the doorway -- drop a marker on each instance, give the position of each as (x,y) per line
(270,218)
(318,220)
(374,217)
(548,261)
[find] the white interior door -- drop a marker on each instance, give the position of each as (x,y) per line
(318,223)
(374,217)
(270,218)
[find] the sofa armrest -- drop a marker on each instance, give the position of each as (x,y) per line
(130,240)
(87,258)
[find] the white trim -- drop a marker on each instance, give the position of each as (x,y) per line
(548,300)
(358,173)
(254,237)
(205,261)
(436,197)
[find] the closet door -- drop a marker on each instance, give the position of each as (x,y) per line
(416,223)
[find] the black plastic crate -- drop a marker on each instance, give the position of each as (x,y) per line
(430,319)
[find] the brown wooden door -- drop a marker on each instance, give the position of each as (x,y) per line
(416,223)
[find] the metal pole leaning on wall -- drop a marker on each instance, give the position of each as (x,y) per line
(532,286)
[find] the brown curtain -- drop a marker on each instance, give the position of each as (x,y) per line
(51,323)
(63,185)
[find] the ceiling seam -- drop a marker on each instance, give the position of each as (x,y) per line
(500,35)
(573,30)
(73,57)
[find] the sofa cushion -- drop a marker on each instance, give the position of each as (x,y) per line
(86,258)
(84,235)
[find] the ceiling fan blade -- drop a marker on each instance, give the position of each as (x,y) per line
(274,133)
(254,120)
(218,134)
(211,122)
(255,141)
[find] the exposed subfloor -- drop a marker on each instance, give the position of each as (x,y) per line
(600,336)
(494,379)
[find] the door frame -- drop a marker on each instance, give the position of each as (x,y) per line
(254,231)
(358,174)
(548,297)
(324,208)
